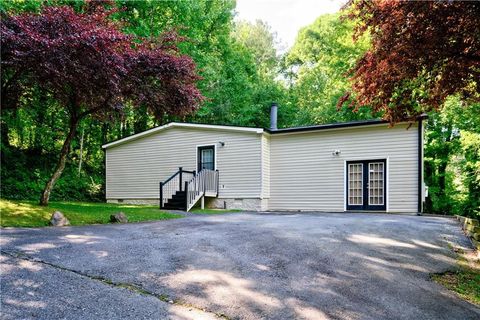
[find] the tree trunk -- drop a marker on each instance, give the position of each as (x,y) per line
(61,162)
(81,153)
(442,172)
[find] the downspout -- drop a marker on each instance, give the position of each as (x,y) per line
(420,162)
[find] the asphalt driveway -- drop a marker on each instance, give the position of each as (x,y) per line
(245,266)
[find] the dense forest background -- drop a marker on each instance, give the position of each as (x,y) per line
(242,73)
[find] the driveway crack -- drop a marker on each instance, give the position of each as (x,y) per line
(115,284)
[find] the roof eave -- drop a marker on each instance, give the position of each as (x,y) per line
(328,126)
(181,125)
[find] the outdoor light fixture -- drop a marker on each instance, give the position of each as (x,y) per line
(222,143)
(336,152)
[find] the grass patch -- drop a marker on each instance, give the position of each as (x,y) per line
(30,214)
(465,281)
(214,211)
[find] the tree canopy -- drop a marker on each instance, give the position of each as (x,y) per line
(421,53)
(316,65)
(87,65)
(261,41)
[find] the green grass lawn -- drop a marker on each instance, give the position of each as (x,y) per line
(29,214)
(465,280)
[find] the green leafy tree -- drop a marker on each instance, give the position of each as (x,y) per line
(452,158)
(316,66)
(470,168)
(259,39)
(233,83)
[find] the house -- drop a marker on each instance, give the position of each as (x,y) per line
(362,165)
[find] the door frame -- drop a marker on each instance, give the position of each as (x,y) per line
(365,206)
(206,146)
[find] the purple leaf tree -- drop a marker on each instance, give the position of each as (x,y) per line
(91,68)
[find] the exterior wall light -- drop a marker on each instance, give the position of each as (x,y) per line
(222,143)
(336,152)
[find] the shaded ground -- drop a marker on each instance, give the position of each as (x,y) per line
(32,290)
(246,266)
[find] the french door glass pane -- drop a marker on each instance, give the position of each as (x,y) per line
(355,184)
(375,183)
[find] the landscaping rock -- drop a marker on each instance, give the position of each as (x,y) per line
(59,220)
(469,227)
(476,244)
(473,222)
(472,229)
(119,217)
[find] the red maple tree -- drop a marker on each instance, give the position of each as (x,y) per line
(91,68)
(421,52)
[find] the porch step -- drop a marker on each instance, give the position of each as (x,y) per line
(200,185)
(177,202)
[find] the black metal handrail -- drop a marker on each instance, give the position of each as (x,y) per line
(170,184)
(173,176)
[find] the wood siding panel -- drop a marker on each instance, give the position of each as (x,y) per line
(135,169)
(306,176)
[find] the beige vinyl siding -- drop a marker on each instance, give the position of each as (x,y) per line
(265,166)
(306,176)
(135,168)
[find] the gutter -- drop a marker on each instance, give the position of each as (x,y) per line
(327,126)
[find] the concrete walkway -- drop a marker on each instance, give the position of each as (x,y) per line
(239,266)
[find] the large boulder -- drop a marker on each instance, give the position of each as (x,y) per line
(59,220)
(119,217)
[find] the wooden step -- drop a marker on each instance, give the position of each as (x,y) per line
(174,206)
(177,202)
